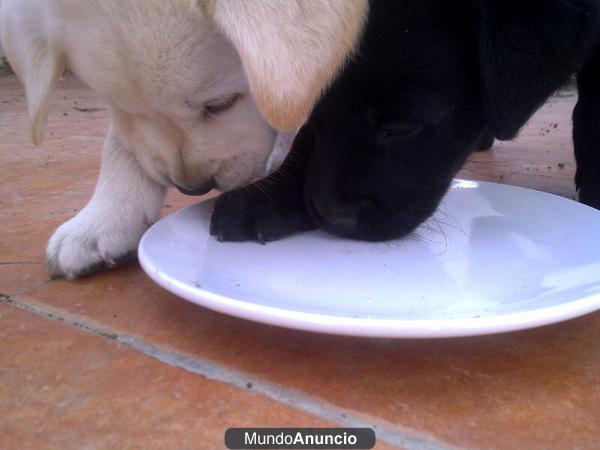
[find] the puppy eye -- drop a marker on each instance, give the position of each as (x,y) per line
(218,106)
(404,130)
(372,116)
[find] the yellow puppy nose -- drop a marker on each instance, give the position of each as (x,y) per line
(200,189)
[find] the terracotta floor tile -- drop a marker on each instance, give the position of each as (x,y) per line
(45,186)
(543,385)
(42,187)
(533,389)
(542,156)
(61,388)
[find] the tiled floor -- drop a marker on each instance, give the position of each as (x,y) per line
(113,361)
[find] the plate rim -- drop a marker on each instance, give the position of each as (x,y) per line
(361,326)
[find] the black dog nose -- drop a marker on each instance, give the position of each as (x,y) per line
(198,190)
(340,217)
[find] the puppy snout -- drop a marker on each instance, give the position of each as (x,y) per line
(340,217)
(200,189)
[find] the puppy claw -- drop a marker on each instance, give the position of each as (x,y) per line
(213,229)
(261,238)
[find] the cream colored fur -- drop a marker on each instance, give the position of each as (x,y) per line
(291,49)
(160,64)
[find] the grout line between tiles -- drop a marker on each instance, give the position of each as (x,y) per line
(386,432)
(26,289)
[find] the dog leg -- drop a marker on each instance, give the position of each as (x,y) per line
(125,203)
(271,208)
(586,132)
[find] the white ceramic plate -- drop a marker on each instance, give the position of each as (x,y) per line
(494,258)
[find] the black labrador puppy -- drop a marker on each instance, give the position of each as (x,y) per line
(432,81)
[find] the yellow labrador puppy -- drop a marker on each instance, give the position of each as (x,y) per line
(196,90)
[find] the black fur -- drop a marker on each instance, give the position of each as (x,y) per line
(432,81)
(586,132)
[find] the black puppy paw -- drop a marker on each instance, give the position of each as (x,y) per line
(271,208)
(233,217)
(254,214)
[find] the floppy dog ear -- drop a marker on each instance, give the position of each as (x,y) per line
(34,59)
(528,49)
(290,49)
